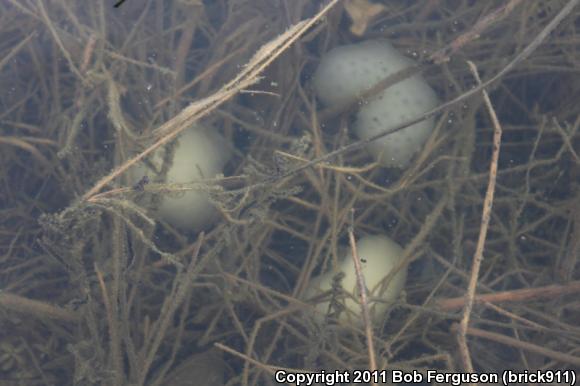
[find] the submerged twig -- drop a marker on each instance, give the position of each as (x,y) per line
(364,304)
(519,295)
(487,206)
(506,340)
(36,307)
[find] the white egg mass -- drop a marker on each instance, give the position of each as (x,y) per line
(346,72)
(379,256)
(198,155)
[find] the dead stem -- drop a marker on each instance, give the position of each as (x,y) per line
(35,307)
(362,289)
(115,343)
(521,295)
(487,206)
(516,343)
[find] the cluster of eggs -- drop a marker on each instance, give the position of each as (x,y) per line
(346,72)
(343,74)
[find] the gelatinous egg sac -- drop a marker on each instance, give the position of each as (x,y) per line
(346,72)
(199,154)
(379,256)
